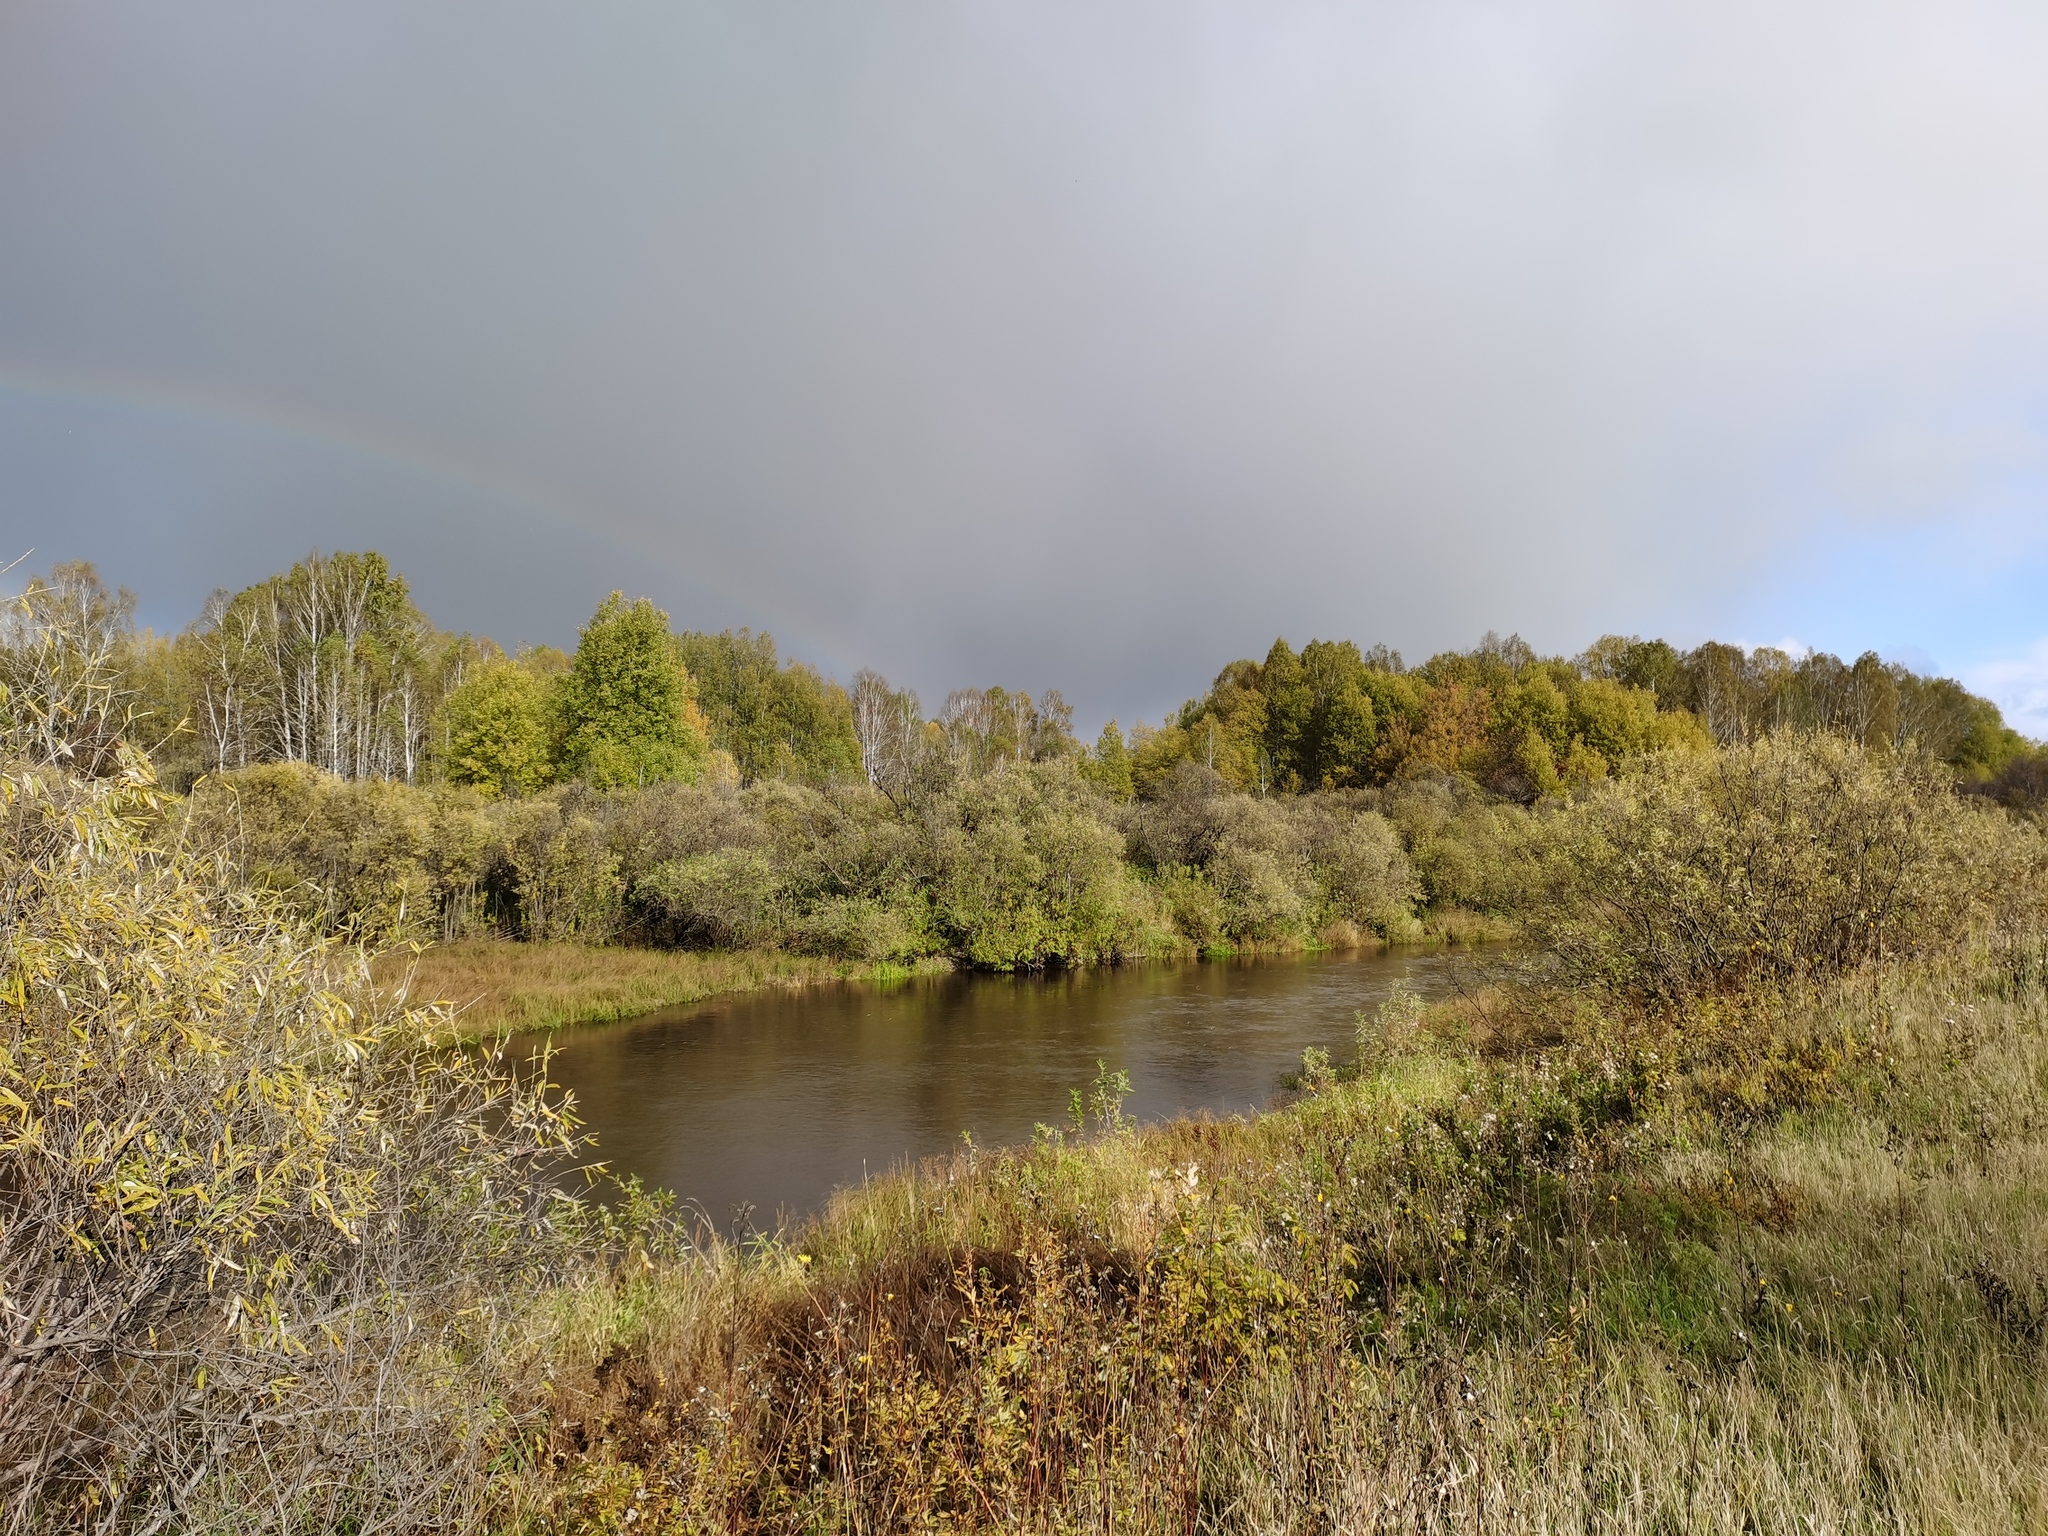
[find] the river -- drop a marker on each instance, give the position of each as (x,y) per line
(759,1105)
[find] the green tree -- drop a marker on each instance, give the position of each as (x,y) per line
(1615,720)
(495,729)
(1287,694)
(1987,745)
(1108,767)
(1336,735)
(1228,730)
(627,711)
(779,720)
(1634,663)
(1155,753)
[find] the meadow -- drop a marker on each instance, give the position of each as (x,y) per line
(1544,1290)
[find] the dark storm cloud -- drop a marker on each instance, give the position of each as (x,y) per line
(1072,344)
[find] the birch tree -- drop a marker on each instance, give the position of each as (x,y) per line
(328,664)
(889,724)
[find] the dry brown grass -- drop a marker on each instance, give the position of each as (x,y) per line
(499,986)
(1455,925)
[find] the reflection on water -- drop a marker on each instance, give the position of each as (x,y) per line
(765,1102)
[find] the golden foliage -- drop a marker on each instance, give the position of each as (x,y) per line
(243,1209)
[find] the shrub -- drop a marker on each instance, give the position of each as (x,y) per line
(1025,875)
(563,871)
(1028,865)
(1262,891)
(1790,857)
(725,899)
(860,928)
(1465,845)
(1193,904)
(371,859)
(243,1209)
(1266,871)
(1365,875)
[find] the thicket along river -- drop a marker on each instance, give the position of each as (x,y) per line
(761,1104)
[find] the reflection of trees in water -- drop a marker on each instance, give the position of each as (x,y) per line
(772,1099)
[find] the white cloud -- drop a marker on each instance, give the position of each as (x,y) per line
(2019,686)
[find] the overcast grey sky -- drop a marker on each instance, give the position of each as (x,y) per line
(1076,344)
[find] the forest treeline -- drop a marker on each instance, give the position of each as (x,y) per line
(401,783)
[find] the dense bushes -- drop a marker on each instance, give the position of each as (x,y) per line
(1788,857)
(1024,866)
(259,1249)
(1026,872)
(1791,855)
(1245,870)
(1765,1259)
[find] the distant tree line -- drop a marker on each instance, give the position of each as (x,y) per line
(1333,716)
(699,789)
(331,664)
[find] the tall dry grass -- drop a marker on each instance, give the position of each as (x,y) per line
(496,986)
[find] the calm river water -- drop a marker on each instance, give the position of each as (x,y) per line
(765,1102)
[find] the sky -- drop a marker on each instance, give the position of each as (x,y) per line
(1074,343)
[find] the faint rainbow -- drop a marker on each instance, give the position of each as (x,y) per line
(395,450)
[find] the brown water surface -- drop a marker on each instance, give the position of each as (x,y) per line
(764,1102)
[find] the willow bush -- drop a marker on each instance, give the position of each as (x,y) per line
(263,1255)
(1024,866)
(1790,857)
(1235,869)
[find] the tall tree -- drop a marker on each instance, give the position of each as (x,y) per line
(496,725)
(627,710)
(889,725)
(1108,767)
(982,727)
(778,719)
(64,647)
(328,664)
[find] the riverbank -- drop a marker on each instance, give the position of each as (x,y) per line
(1776,1265)
(497,986)
(500,986)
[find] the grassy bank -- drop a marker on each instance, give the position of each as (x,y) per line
(1785,1268)
(497,985)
